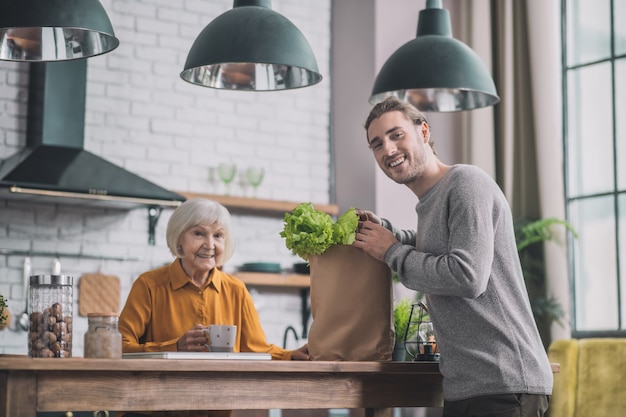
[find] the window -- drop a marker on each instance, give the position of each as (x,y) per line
(594,122)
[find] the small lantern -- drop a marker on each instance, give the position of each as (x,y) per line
(422,345)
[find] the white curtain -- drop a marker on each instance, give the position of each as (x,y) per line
(545,70)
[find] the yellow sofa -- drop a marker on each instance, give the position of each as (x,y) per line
(592,377)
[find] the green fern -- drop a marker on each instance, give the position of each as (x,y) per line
(529,233)
(401,315)
(547,308)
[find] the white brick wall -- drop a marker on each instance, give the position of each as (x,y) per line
(142,116)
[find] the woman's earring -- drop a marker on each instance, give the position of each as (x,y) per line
(179,249)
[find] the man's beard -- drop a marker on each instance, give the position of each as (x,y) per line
(415,172)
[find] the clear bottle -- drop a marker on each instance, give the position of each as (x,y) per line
(103,339)
(50,308)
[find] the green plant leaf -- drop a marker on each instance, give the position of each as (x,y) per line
(401,316)
(528,235)
(530,232)
(547,308)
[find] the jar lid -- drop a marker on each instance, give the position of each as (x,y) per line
(51,280)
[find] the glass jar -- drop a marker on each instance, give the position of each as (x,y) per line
(50,307)
(103,339)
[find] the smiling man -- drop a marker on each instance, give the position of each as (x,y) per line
(463,256)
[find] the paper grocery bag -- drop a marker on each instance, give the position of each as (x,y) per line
(351,306)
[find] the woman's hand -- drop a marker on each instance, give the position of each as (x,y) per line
(301,354)
(194,340)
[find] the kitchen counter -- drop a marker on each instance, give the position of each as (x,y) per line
(78,384)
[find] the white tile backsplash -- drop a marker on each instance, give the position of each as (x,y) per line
(142,116)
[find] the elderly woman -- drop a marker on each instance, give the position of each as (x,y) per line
(168,307)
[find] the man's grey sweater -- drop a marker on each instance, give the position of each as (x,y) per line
(465,259)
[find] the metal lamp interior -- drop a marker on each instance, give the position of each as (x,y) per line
(251,76)
(54,30)
(53,44)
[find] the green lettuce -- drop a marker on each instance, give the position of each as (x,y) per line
(308,231)
(345,228)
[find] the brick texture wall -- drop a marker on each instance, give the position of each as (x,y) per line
(142,116)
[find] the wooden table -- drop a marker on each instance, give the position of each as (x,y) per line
(31,385)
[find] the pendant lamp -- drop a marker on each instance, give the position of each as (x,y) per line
(434,71)
(251,48)
(54,30)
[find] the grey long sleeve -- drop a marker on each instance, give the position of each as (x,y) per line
(464,257)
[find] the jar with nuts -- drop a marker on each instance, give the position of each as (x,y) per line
(50,316)
(103,339)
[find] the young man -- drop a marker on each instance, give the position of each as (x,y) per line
(464,258)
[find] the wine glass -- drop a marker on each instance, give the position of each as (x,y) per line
(227,171)
(255,177)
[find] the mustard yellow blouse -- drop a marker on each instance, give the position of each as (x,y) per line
(163,304)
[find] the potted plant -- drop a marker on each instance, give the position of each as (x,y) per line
(529,235)
(5,314)
(401,316)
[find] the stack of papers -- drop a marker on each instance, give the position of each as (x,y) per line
(199,355)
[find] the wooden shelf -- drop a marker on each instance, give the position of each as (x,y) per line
(257,205)
(301,281)
(274,280)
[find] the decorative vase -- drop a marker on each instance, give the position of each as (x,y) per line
(399,352)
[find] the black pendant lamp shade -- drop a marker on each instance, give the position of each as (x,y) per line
(434,71)
(54,30)
(253,48)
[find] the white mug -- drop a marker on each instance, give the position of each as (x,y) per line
(221,337)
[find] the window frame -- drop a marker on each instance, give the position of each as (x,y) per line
(615,193)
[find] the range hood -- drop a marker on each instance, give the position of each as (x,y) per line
(54,166)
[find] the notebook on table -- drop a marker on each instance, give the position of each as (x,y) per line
(256,356)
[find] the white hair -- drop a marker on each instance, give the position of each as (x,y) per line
(199,212)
